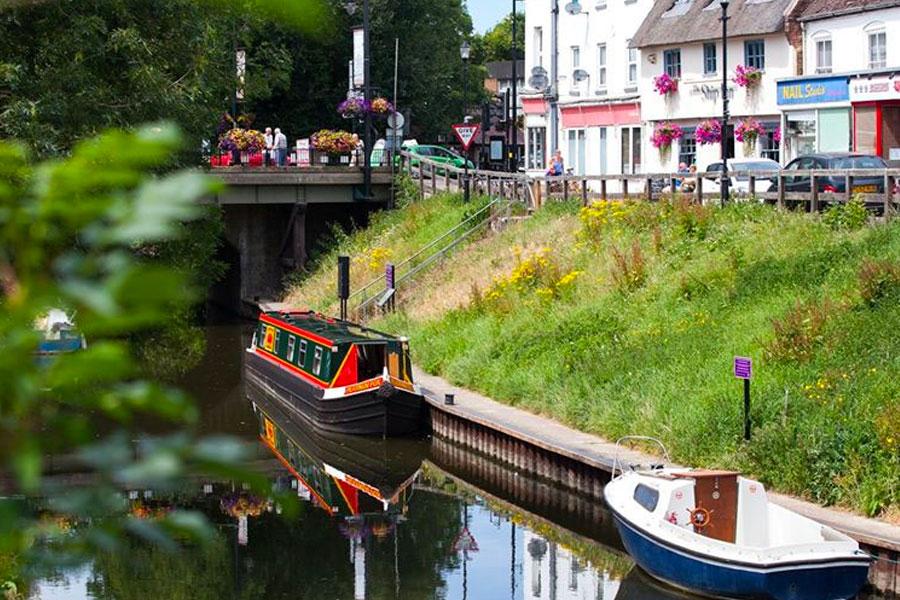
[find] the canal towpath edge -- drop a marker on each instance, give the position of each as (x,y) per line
(553,436)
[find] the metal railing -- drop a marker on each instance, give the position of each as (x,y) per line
(297,158)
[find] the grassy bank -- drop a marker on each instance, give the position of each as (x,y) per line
(624,318)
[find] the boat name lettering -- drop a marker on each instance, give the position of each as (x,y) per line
(365,385)
(363,487)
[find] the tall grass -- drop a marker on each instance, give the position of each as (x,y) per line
(816,307)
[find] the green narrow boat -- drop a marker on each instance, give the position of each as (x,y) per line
(337,375)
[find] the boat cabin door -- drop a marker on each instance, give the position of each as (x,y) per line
(398,361)
(715,495)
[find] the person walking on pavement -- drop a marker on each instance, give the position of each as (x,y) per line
(280,146)
(270,145)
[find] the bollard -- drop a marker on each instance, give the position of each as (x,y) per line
(448,399)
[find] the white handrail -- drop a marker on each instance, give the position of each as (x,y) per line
(644,438)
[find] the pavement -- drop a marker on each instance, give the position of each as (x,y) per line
(553,436)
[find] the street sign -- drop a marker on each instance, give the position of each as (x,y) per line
(466,134)
(396,121)
(743,367)
(465,542)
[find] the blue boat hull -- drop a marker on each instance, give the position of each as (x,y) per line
(834,580)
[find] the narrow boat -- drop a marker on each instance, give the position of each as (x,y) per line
(716,533)
(339,376)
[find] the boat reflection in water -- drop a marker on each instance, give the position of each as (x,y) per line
(353,479)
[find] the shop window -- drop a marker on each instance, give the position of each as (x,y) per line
(537,142)
(823,53)
(672,63)
(687,149)
(631,150)
(709,59)
(577,149)
(755,54)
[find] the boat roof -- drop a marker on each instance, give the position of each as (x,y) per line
(335,331)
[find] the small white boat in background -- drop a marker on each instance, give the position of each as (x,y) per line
(716,533)
(58,334)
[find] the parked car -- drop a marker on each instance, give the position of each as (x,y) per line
(837,184)
(741,183)
(440,155)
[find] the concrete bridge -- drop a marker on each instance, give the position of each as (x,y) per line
(274,217)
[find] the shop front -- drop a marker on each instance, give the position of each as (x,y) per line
(601,138)
(876,116)
(816,115)
(536,136)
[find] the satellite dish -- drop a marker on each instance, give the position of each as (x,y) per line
(396,121)
(580,75)
(573,8)
(539,71)
(539,82)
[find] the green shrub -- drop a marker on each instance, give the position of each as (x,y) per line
(629,269)
(797,334)
(850,216)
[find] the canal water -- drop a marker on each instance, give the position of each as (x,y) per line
(410,519)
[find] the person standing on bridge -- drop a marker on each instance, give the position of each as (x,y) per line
(270,146)
(280,147)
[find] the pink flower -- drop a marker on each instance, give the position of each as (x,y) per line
(664,134)
(747,76)
(748,130)
(776,136)
(665,85)
(708,132)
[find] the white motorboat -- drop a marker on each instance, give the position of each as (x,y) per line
(716,533)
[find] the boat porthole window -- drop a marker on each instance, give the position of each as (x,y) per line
(277,338)
(317,361)
(291,342)
(302,358)
(646,496)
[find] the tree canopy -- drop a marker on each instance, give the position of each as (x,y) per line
(496,44)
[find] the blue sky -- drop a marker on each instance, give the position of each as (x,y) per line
(487,13)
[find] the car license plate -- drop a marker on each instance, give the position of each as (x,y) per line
(864,189)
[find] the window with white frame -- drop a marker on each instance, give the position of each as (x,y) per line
(576,57)
(539,46)
(632,64)
(601,66)
(631,150)
(877,38)
(823,52)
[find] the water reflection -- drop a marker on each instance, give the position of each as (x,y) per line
(410,519)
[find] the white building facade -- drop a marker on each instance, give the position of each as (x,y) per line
(683,40)
(590,110)
(845,96)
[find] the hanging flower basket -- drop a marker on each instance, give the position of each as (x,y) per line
(748,132)
(776,135)
(708,132)
(381,107)
(665,85)
(664,134)
(242,504)
(747,77)
(353,108)
(243,140)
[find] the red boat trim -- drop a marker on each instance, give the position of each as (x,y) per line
(302,333)
(282,363)
(299,477)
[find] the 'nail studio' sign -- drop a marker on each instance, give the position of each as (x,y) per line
(813,91)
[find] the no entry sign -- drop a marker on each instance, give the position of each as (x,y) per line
(466,134)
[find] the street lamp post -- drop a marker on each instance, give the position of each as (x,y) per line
(367,95)
(464,51)
(514,154)
(724,181)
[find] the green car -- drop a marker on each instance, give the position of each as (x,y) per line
(440,155)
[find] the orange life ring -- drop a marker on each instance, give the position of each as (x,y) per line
(700,517)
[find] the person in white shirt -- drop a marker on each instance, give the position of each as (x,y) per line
(270,144)
(280,147)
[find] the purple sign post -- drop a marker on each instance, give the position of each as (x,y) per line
(389,276)
(743,369)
